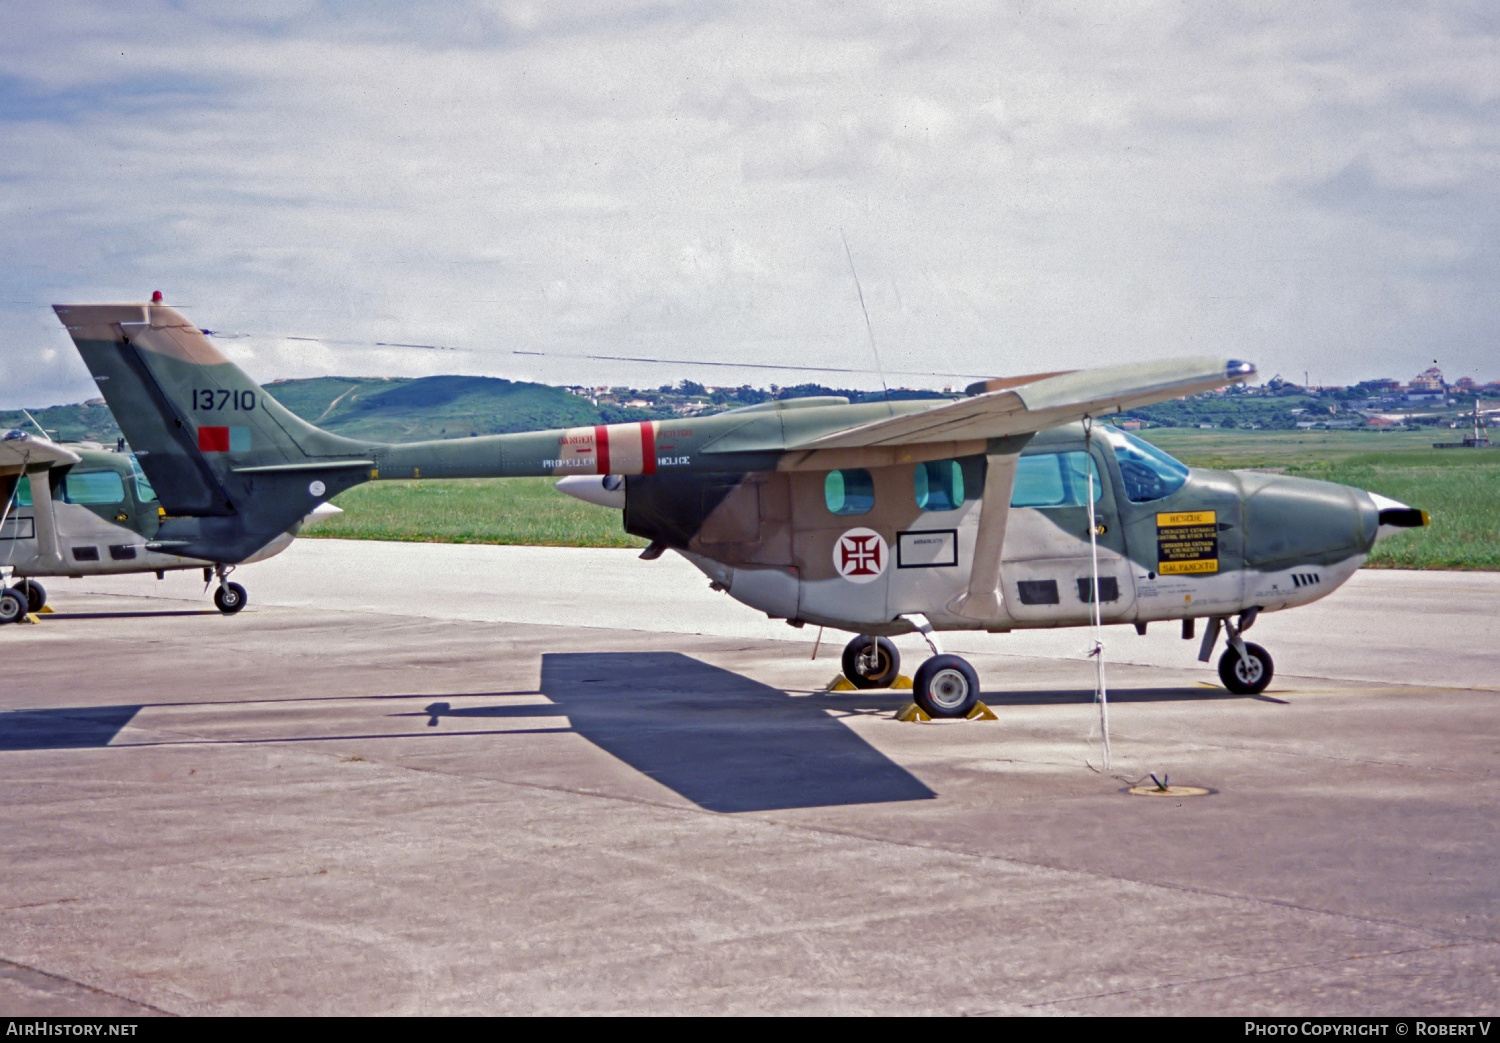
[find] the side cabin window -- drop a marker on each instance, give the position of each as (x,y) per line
(939,485)
(850,491)
(23,491)
(94,487)
(1055,480)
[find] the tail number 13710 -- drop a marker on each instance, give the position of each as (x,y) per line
(219,398)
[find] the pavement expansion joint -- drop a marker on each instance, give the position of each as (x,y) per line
(64,979)
(1308,965)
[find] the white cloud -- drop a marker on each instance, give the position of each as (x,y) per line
(1036,185)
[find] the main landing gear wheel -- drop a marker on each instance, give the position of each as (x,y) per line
(230,598)
(36,595)
(868,667)
(946,686)
(13,605)
(1249,674)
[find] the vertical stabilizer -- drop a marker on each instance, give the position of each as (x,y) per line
(217,448)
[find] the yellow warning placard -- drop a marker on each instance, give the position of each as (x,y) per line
(1188,518)
(1187,543)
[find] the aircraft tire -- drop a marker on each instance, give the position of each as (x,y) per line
(230,598)
(36,594)
(888,663)
(1246,677)
(946,686)
(13,605)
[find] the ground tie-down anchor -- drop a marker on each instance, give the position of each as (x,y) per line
(1162,787)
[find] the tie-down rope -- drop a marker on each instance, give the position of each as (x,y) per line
(1101,690)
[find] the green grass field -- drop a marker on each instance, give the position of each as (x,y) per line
(475,510)
(1459,488)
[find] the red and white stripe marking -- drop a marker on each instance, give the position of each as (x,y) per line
(608,449)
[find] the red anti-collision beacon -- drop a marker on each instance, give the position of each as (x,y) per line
(156,297)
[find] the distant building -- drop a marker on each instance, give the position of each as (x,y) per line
(1430,379)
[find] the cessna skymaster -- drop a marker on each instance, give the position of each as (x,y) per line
(99,505)
(984,513)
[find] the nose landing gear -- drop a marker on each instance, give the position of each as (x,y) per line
(1245,667)
(1248,673)
(230,597)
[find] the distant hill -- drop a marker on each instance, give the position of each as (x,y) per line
(431,407)
(76,423)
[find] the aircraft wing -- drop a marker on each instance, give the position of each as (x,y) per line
(21,452)
(1044,402)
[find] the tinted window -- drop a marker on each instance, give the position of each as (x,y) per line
(23,492)
(94,487)
(1055,480)
(939,485)
(1146,472)
(849,492)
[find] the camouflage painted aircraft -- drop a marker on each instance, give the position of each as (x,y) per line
(79,509)
(877,518)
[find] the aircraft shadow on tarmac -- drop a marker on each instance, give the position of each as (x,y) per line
(67,728)
(721,740)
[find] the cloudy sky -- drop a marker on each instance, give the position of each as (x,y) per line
(1022,185)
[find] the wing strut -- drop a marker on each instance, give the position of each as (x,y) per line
(982,599)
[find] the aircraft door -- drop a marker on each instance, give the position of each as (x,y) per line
(1186,532)
(1047,567)
(933,553)
(842,542)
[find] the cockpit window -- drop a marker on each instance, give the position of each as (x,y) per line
(143,490)
(1055,480)
(1148,473)
(23,491)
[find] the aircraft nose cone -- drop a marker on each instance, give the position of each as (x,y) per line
(1297,521)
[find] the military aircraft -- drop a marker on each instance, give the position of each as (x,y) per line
(981,513)
(79,509)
